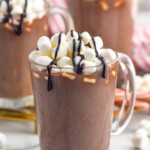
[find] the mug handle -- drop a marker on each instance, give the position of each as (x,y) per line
(121,122)
(56,10)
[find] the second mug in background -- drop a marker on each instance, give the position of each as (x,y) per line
(113,20)
(21,24)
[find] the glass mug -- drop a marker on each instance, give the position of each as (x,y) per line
(113,20)
(15,82)
(77,113)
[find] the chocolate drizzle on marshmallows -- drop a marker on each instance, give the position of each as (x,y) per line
(49,67)
(71,54)
(104,74)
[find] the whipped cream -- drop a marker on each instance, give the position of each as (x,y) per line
(73,53)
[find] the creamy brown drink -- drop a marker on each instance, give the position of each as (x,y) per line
(74,82)
(22,22)
(113,20)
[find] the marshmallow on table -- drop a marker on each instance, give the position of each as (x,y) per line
(62,51)
(64,61)
(44,45)
(89,54)
(141,131)
(139,81)
(86,37)
(89,67)
(145,124)
(55,39)
(108,54)
(98,43)
(3,140)
(146,81)
(69,36)
(140,141)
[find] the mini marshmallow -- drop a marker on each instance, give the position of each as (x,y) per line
(44,45)
(108,55)
(64,61)
(55,69)
(140,141)
(89,54)
(3,6)
(36,4)
(21,2)
(68,68)
(3,140)
(145,124)
(33,55)
(70,46)
(139,82)
(17,10)
(141,132)
(86,37)
(61,52)
(98,42)
(97,61)
(69,37)
(77,59)
(55,39)
(89,67)
(43,60)
(146,80)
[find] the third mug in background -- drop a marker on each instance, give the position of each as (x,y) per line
(113,20)
(21,24)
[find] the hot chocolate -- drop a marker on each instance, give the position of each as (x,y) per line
(22,22)
(74,83)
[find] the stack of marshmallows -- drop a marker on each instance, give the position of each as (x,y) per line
(47,50)
(140,139)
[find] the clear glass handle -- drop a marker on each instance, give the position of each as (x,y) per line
(121,122)
(56,10)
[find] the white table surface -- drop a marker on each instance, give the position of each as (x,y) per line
(24,134)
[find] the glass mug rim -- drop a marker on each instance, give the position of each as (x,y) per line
(101,65)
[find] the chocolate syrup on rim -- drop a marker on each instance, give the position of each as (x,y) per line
(17,29)
(104,74)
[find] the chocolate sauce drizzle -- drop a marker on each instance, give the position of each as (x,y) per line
(78,68)
(72,33)
(17,29)
(104,73)
(49,67)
